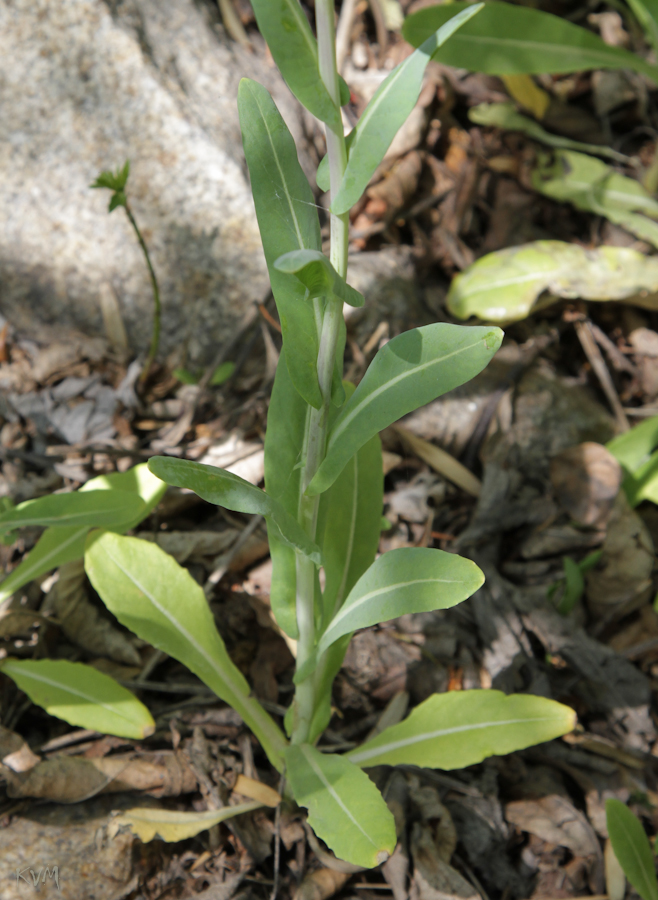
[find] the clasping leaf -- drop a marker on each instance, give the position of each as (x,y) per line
(232,492)
(345,808)
(317,274)
(409,371)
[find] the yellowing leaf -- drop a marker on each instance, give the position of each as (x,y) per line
(256,790)
(171,825)
(526,92)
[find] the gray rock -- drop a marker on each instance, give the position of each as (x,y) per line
(83,87)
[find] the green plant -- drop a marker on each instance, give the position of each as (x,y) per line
(323,474)
(116,182)
(632,848)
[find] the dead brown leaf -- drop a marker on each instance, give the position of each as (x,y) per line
(586,480)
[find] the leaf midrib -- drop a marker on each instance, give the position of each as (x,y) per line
(358,758)
(373,395)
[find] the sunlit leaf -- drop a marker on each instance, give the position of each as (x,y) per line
(387,112)
(159,601)
(81,695)
(59,545)
(507,285)
(506,39)
(461,728)
(592,186)
(409,371)
(345,808)
(505,116)
(406,580)
(98,508)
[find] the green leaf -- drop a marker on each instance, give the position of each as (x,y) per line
(633,450)
(509,284)
(322,175)
(117,199)
(284,439)
(349,522)
(317,274)
(158,600)
(646,12)
(461,728)
(592,186)
(232,492)
(81,695)
(222,373)
(506,39)
(285,27)
(185,376)
(174,825)
(106,508)
(632,848)
(407,580)
(409,371)
(345,808)
(387,112)
(288,220)
(60,545)
(505,116)
(115,181)
(574,585)
(345,93)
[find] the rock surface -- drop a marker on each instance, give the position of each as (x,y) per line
(85,85)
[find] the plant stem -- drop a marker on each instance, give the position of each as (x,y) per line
(316,433)
(155,336)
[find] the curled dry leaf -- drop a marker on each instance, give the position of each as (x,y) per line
(83,624)
(435,879)
(15,753)
(586,480)
(256,790)
(321,884)
(556,820)
(69,779)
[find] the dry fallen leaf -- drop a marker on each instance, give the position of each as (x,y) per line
(256,790)
(586,480)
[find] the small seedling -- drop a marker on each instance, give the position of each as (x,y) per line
(323,494)
(116,182)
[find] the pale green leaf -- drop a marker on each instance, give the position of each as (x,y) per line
(507,285)
(285,27)
(387,112)
(81,695)
(409,371)
(592,186)
(97,508)
(349,526)
(232,492)
(506,39)
(574,585)
(461,728)
(158,600)
(632,848)
(504,115)
(288,220)
(284,439)
(59,545)
(407,580)
(634,448)
(317,274)
(173,825)
(345,808)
